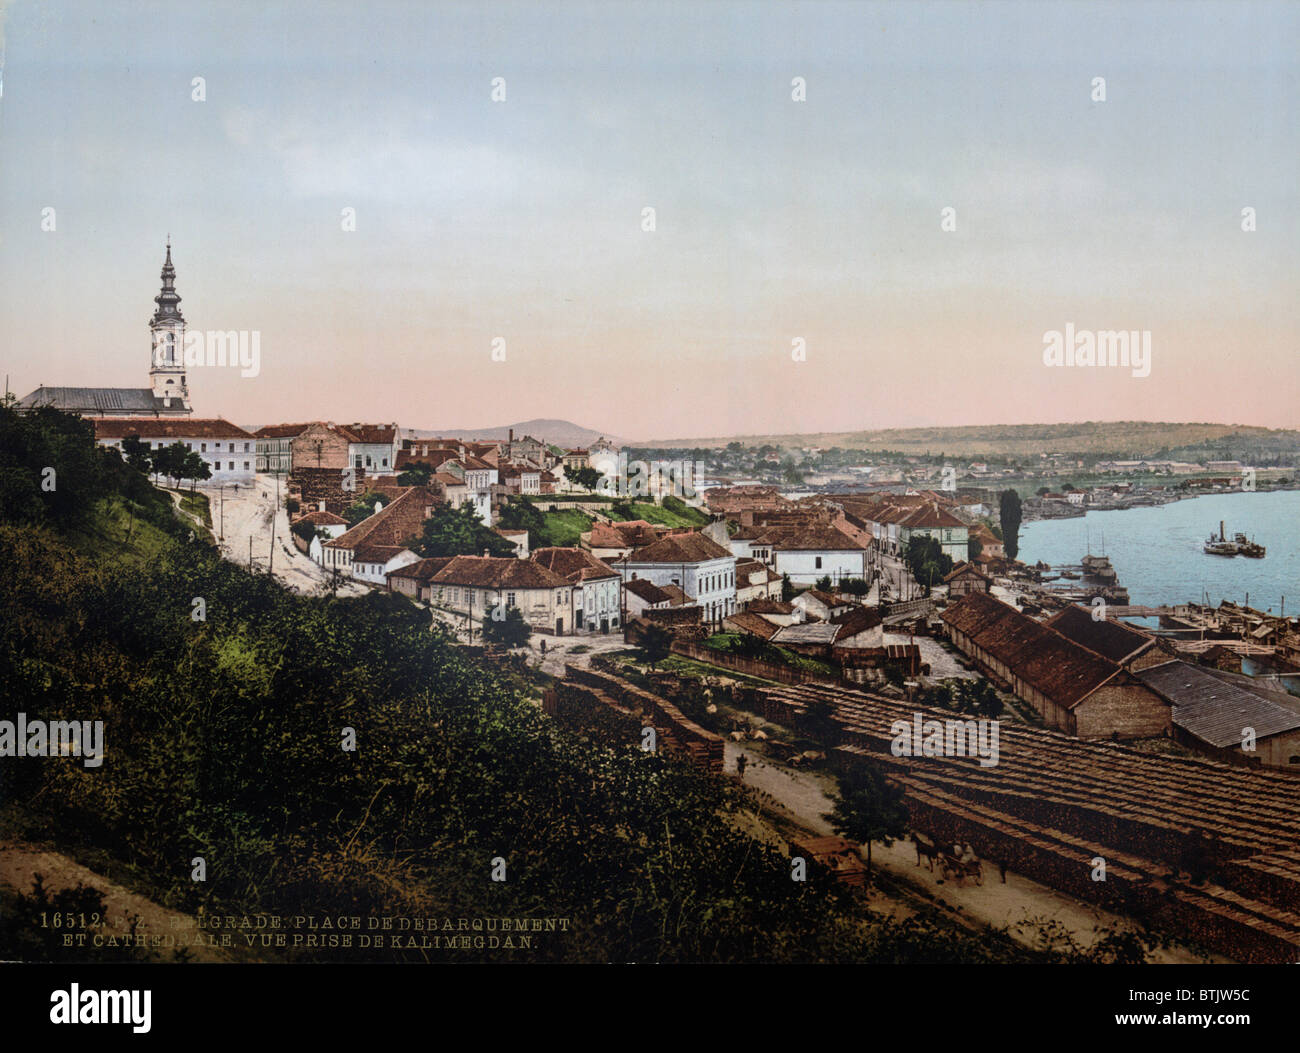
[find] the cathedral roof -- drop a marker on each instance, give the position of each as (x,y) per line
(97,401)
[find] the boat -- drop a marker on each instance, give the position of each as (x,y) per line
(1250,549)
(1220,546)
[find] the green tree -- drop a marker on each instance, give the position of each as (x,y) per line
(170,461)
(194,468)
(508,630)
(787,588)
(362,508)
(137,454)
(460,532)
(974,546)
(868,807)
(656,643)
(417,473)
(1009,512)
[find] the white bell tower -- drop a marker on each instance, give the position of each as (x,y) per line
(167,339)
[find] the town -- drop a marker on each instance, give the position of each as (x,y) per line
(771,612)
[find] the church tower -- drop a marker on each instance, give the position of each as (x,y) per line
(167,331)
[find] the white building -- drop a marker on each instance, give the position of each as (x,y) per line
(372,447)
(227,449)
(596,593)
(699,566)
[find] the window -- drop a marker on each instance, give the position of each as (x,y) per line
(510,599)
(819,563)
(203,447)
(230,463)
(232,448)
(245,466)
(245,447)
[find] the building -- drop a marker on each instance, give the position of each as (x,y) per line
(376,544)
(641,595)
(167,394)
(754,581)
(413,579)
(966,578)
(1073,688)
(275,447)
(596,590)
(372,446)
(698,565)
(820,606)
(476,585)
(815,552)
(1227,715)
(226,448)
(518,538)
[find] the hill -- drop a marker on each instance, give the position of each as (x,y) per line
(1097,439)
(558,432)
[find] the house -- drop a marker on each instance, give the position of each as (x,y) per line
(819,605)
(326,523)
(320,445)
(754,581)
(475,586)
(816,552)
(373,563)
(990,545)
(596,589)
(412,579)
(1073,688)
(777,612)
(521,479)
(746,622)
(1220,713)
(380,540)
(935,521)
(966,578)
(698,565)
(641,595)
(859,627)
(1111,639)
(372,446)
(616,541)
(274,447)
(518,538)
(227,449)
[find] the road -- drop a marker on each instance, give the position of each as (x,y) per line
(804,795)
(250,512)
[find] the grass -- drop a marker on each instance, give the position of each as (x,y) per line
(660,516)
(197,504)
(563,527)
(115,532)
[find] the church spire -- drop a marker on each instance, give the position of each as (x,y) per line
(169,303)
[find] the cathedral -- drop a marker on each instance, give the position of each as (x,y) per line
(167,394)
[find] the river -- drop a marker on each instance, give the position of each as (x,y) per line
(1157,553)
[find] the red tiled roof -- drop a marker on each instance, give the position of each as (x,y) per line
(498,572)
(423,570)
(322,518)
(373,433)
(573,564)
(402,519)
(647,590)
(281,431)
(680,548)
(152,428)
(1058,667)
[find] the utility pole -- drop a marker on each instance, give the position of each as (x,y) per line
(250,554)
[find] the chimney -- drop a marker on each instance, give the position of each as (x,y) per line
(485,553)
(512,434)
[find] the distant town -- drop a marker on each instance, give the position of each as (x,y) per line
(819,594)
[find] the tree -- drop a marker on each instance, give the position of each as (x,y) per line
(170,461)
(417,473)
(927,561)
(974,546)
(588,478)
(524,515)
(824,583)
(137,454)
(508,630)
(362,508)
(868,807)
(194,468)
(787,588)
(1010,515)
(460,532)
(656,643)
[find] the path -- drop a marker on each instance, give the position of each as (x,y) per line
(804,795)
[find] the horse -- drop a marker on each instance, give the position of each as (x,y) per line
(925,847)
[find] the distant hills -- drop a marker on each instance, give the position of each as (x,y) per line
(1114,439)
(559,432)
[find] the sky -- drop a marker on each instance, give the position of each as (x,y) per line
(777,225)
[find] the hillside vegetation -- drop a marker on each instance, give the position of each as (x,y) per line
(223,738)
